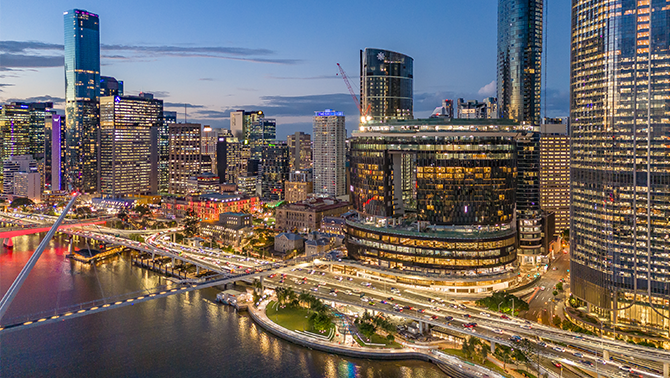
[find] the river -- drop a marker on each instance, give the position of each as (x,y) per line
(182,335)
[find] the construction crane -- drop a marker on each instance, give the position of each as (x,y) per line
(364,114)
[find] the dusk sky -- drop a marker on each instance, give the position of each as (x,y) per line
(275,56)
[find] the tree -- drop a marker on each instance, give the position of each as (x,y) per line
(142,210)
(555,293)
(123,215)
(21,201)
(565,235)
(559,286)
(191,223)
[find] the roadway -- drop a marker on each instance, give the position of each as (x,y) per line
(542,306)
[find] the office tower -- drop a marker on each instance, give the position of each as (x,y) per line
(464,221)
(491,107)
(519,60)
(14,165)
(23,128)
(555,172)
(386,85)
(228,158)
(299,186)
(264,129)
(300,150)
(164,151)
(620,190)
(109,86)
(329,153)
(53,136)
(185,143)
(82,90)
(129,145)
(273,170)
(209,137)
(241,121)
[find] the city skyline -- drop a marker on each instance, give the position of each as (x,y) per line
(285,73)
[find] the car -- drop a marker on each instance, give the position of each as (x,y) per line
(516,339)
(422,310)
(559,349)
(504,317)
(467,316)
(485,314)
(585,362)
(542,344)
(556,363)
(371,303)
(434,317)
(390,299)
(448,318)
(526,326)
(601,361)
(498,331)
(577,354)
(554,268)
(625,368)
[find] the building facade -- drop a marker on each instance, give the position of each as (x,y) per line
(329,153)
(164,151)
(555,172)
(459,220)
(273,170)
(299,186)
(241,121)
(82,91)
(620,186)
(184,155)
(300,150)
(228,158)
(519,60)
(387,91)
(14,165)
(109,86)
(306,215)
(129,145)
(210,206)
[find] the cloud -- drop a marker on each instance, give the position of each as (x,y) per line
(303,105)
(30,61)
(157,94)
(181,105)
(206,79)
(488,90)
(45,98)
(5,85)
(212,114)
(558,103)
(319,77)
(35,54)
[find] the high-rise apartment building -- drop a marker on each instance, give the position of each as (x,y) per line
(273,170)
(185,143)
(14,165)
(555,172)
(519,60)
(129,145)
(228,158)
(299,186)
(620,192)
(241,121)
(300,150)
(109,86)
(82,90)
(387,91)
(164,151)
(329,153)
(474,109)
(263,129)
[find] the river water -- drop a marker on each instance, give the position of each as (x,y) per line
(182,335)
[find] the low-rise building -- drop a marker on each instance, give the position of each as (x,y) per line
(332,225)
(203,183)
(27,184)
(286,242)
(307,215)
(229,229)
(315,247)
(209,206)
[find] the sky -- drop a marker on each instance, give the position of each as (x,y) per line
(277,56)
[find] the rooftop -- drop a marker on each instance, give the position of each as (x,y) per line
(289,236)
(316,204)
(444,125)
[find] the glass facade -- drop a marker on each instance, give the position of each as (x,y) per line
(387,85)
(164,151)
(128,145)
(274,169)
(82,91)
(458,213)
(620,197)
(185,141)
(519,59)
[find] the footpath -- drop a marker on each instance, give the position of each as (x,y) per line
(451,365)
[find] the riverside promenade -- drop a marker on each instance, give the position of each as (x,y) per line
(451,365)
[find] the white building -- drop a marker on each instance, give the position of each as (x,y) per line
(14,165)
(27,184)
(329,156)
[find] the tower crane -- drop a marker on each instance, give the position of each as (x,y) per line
(364,114)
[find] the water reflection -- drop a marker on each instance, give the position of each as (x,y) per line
(187,335)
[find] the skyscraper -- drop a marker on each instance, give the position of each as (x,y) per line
(300,150)
(519,59)
(129,145)
(82,90)
(273,170)
(386,85)
(620,196)
(241,121)
(555,171)
(329,153)
(109,86)
(164,151)
(185,155)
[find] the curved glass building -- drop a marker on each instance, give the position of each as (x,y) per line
(435,196)
(620,169)
(387,85)
(519,59)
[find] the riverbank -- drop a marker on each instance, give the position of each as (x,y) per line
(450,365)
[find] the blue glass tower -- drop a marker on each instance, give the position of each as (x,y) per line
(82,91)
(519,59)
